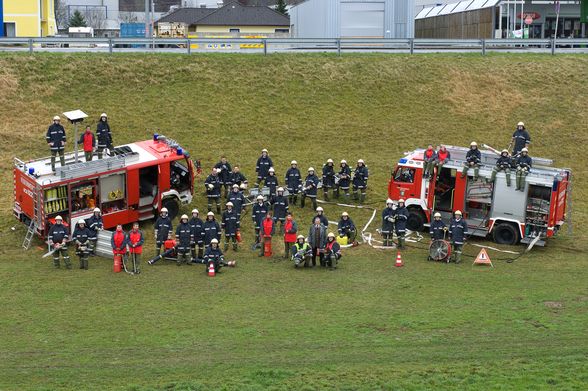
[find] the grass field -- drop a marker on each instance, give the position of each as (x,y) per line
(265,325)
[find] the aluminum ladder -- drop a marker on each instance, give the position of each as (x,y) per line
(26,244)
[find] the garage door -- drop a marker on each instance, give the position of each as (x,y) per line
(362,20)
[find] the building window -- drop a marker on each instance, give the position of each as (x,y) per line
(234,30)
(10,30)
(286,31)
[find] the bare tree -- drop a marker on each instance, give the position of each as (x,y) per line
(95,18)
(130,17)
(61,14)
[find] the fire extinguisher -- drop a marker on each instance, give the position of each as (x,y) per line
(198,167)
(239,238)
(117,263)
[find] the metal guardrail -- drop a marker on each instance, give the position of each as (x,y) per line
(272,45)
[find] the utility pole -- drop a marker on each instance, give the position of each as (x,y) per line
(147,18)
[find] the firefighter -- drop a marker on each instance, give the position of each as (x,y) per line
(320,213)
(280,208)
(520,138)
(429,158)
(458,230)
(230,224)
(56,140)
(58,238)
(162,228)
(260,209)
(442,157)
(211,229)
(215,255)
(301,252)
(346,227)
(103,135)
(437,228)
(310,188)
(523,164)
(198,233)
(503,163)
(264,163)
(317,238)
(290,230)
(238,199)
(95,224)
(88,143)
(344,179)
(473,160)
(360,178)
(388,223)
(271,181)
(237,178)
(224,174)
(332,252)
(267,231)
(400,219)
(328,178)
(81,237)
(135,241)
(293,182)
(184,240)
(118,241)
(213,190)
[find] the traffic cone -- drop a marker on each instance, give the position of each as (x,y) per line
(211,269)
(398,260)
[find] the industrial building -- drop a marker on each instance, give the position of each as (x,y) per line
(27,18)
(353,19)
(478,19)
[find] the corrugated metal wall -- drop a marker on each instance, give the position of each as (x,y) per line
(475,24)
(353,18)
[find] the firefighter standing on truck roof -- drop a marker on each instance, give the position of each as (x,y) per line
(328,178)
(523,164)
(224,174)
(88,142)
(264,163)
(230,224)
(310,188)
(437,228)
(184,240)
(520,138)
(198,232)
(344,179)
(401,219)
(135,241)
(81,237)
(95,224)
(360,179)
(163,226)
(213,190)
(103,134)
(388,223)
(458,230)
(473,160)
(56,140)
(504,163)
(58,238)
(293,182)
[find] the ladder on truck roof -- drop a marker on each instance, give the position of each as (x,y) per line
(80,169)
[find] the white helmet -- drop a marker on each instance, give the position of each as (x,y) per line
(195,211)
(473,144)
(300,237)
(103,115)
(58,218)
(184,217)
(293,162)
(524,150)
(521,123)
(210,186)
(457,212)
(389,201)
(264,150)
(503,151)
(243,186)
(271,169)
(56,118)
(343,161)
(331,235)
(401,200)
(97,210)
(215,241)
(310,169)
(280,189)
(81,221)
(329,160)
(210,214)
(229,204)
(319,209)
(361,161)
(259,198)
(163,210)
(235,185)
(344,214)
(218,170)
(437,214)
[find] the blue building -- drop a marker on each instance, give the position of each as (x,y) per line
(1,19)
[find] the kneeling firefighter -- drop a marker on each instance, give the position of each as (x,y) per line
(301,252)
(332,251)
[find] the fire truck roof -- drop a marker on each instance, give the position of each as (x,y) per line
(136,154)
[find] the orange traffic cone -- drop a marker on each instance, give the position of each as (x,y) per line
(398,260)
(211,272)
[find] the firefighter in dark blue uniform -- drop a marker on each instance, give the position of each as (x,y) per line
(215,255)
(473,160)
(258,213)
(224,174)
(230,224)
(360,178)
(504,163)
(271,181)
(163,226)
(198,233)
(94,224)
(280,208)
(184,240)
(523,164)
(328,178)
(211,229)
(346,227)
(238,199)
(81,237)
(56,140)
(520,138)
(344,179)
(103,134)
(57,239)
(237,178)
(264,163)
(213,190)
(458,230)
(400,219)
(320,214)
(293,182)
(388,223)
(310,188)
(437,228)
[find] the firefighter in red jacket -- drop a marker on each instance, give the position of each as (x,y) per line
(290,230)
(267,230)
(429,157)
(118,241)
(88,142)
(443,157)
(135,241)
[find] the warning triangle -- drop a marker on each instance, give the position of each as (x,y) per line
(483,258)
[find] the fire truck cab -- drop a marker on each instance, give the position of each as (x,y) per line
(131,184)
(495,209)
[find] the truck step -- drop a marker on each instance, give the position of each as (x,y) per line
(529,239)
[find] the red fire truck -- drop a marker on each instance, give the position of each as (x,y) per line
(495,209)
(131,184)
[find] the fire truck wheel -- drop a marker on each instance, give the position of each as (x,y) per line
(505,233)
(172,207)
(416,220)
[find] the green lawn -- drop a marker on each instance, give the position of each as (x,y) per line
(264,325)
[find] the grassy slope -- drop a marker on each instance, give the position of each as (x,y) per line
(262,325)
